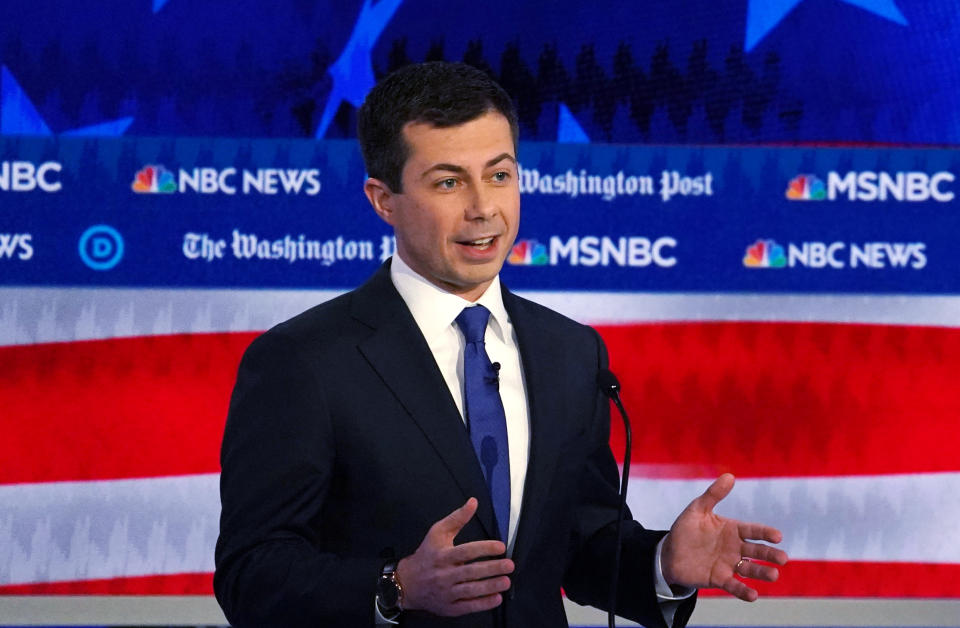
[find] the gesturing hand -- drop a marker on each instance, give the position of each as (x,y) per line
(440,577)
(704,549)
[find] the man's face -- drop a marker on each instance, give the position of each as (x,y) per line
(459,211)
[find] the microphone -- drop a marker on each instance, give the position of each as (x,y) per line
(608,383)
(610,386)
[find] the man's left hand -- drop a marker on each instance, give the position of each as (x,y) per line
(704,549)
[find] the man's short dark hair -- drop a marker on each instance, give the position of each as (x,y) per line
(439,93)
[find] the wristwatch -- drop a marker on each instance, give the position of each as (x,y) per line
(389,591)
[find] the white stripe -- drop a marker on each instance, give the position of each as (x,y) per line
(887,518)
(40,315)
(64,531)
(613,308)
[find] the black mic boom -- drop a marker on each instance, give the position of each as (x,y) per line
(610,386)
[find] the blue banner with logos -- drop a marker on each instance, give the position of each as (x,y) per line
(291,213)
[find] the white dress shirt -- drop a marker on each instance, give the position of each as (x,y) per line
(435,311)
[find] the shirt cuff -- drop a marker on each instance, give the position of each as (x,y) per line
(666,593)
(379,619)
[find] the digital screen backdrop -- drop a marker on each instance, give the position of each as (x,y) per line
(754,201)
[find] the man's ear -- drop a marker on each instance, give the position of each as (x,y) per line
(381,198)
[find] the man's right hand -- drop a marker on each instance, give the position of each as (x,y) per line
(443,578)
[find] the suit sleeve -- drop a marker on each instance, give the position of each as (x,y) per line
(277,460)
(593,541)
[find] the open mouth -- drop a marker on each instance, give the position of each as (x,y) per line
(480,244)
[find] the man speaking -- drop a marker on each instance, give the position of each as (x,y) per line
(430,449)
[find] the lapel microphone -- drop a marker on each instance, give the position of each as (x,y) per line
(610,386)
(494,378)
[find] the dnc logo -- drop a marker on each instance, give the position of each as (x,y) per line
(806,187)
(101,247)
(529,253)
(765,254)
(154,180)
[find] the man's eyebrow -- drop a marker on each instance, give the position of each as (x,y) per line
(461,170)
(447,167)
(500,158)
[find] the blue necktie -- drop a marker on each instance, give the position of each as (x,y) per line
(486,420)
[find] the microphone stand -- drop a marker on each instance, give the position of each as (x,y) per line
(610,386)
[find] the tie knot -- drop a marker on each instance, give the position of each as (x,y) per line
(472,321)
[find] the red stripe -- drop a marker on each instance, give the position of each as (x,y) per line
(121,408)
(797,579)
(176,584)
(789,399)
(849,579)
(758,399)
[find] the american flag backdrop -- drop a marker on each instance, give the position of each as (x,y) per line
(837,414)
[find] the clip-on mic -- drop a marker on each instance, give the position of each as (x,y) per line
(495,377)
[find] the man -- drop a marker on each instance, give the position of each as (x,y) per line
(369,473)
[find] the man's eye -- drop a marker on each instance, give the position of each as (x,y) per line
(501,176)
(447,184)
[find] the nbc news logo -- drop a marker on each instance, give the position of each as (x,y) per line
(154,180)
(765,254)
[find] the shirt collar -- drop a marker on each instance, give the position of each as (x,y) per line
(434,309)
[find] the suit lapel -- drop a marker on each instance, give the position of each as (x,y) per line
(541,358)
(399,354)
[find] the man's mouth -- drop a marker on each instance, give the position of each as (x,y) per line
(479,243)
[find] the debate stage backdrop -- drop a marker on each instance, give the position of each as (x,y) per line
(754,201)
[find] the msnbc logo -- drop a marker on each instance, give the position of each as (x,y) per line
(806,187)
(765,254)
(528,253)
(154,180)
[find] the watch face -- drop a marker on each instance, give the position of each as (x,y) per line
(387,592)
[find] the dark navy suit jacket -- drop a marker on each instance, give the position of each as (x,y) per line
(343,446)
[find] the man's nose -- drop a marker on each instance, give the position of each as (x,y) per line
(482,204)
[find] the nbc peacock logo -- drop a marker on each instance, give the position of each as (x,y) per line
(806,187)
(154,179)
(528,253)
(765,254)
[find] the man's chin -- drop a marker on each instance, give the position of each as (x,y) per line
(471,285)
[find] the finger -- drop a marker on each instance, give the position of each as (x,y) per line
(484,569)
(738,589)
(473,550)
(720,488)
(758,571)
(454,522)
(475,605)
(759,532)
(480,588)
(756,551)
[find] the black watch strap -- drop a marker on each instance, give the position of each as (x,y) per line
(389,591)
